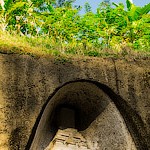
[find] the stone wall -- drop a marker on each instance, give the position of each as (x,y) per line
(27,84)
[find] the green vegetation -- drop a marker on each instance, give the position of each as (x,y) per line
(56,27)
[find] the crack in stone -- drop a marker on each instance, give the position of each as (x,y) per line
(116,76)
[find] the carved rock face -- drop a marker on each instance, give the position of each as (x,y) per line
(32,88)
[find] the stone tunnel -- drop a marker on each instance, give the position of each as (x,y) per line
(95,117)
(93,104)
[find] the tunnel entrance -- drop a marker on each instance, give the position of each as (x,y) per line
(82,110)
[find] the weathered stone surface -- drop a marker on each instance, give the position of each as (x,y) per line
(27,84)
(108,131)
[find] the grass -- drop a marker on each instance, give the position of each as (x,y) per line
(43,46)
(15,44)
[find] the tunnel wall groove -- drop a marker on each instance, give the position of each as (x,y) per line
(26,84)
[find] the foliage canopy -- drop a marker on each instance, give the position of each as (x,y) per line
(111,27)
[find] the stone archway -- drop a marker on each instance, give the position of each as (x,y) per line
(97,118)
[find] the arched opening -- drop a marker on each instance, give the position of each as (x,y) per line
(86,108)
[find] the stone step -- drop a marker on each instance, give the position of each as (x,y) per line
(68,139)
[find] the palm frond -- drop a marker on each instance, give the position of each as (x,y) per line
(129,4)
(145,9)
(115,4)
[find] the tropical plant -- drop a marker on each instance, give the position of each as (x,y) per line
(134,14)
(112,26)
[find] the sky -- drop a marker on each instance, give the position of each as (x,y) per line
(95,3)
